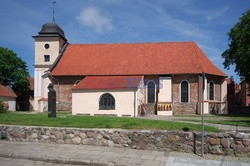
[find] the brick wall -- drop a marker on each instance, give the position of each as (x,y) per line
(65,95)
(217,86)
(146,80)
(192,106)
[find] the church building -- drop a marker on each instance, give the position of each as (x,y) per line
(125,79)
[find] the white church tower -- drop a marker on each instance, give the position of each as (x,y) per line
(48,44)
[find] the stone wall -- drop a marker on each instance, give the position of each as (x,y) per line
(148,109)
(185,108)
(215,143)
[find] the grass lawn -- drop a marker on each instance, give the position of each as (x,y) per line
(235,120)
(68,120)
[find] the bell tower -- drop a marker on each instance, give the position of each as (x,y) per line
(48,43)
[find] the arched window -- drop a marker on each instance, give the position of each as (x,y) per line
(211,90)
(151,92)
(107,102)
(184,92)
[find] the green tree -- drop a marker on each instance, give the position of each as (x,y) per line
(14,73)
(238,53)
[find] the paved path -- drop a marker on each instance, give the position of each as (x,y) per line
(28,152)
(24,162)
(178,119)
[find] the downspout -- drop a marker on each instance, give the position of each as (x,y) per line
(134,101)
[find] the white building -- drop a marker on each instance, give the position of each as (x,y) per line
(8,96)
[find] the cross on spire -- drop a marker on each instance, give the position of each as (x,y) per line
(54,10)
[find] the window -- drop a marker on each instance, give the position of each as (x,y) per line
(211,91)
(46,46)
(151,92)
(107,102)
(184,92)
(46,58)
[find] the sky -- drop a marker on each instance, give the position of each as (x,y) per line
(205,22)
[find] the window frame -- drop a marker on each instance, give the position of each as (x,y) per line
(102,107)
(154,93)
(180,91)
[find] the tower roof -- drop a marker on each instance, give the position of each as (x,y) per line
(51,29)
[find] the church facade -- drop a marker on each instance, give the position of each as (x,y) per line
(129,79)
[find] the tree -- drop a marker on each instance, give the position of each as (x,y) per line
(14,73)
(238,53)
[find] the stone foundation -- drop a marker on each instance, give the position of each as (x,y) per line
(215,143)
(148,109)
(185,108)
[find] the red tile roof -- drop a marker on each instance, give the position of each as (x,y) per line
(109,82)
(6,91)
(134,59)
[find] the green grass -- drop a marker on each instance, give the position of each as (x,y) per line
(68,120)
(235,120)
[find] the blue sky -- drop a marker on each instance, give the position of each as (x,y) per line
(205,22)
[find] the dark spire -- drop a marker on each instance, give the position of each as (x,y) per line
(54,10)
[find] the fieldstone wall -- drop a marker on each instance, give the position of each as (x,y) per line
(215,143)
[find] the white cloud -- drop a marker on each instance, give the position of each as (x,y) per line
(93,17)
(216,14)
(182,26)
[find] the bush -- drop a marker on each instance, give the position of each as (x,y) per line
(3,107)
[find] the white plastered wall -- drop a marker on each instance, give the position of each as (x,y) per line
(139,99)
(11,102)
(87,102)
(165,93)
(224,109)
(40,51)
(165,89)
(40,87)
(206,104)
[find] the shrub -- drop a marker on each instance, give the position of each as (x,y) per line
(3,106)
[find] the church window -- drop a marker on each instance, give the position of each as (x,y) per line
(107,102)
(46,46)
(211,90)
(184,92)
(151,92)
(46,58)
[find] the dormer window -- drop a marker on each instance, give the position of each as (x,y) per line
(46,58)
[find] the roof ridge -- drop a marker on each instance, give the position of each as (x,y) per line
(162,58)
(129,43)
